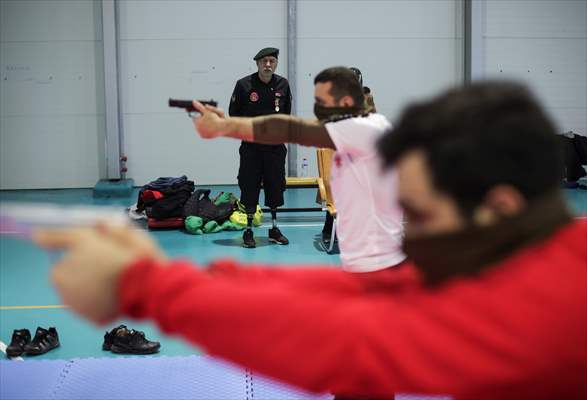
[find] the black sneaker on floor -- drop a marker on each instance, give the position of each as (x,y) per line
(133,342)
(109,337)
(20,338)
(44,340)
(327,237)
(327,245)
(248,239)
(276,236)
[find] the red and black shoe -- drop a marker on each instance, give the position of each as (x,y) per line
(109,337)
(20,338)
(249,239)
(276,236)
(126,341)
(44,341)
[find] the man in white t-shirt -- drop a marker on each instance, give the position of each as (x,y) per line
(369,221)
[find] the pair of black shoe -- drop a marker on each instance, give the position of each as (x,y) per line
(275,236)
(44,340)
(122,340)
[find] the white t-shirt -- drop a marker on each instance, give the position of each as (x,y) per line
(369,220)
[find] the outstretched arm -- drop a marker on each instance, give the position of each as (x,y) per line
(371,344)
(275,129)
(463,338)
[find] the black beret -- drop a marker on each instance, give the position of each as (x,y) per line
(267,51)
(358,74)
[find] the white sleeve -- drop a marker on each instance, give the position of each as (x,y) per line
(357,136)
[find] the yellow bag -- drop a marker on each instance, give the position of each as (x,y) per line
(239,217)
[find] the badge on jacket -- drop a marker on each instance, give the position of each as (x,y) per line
(254,97)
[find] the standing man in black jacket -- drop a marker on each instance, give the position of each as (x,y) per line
(262,93)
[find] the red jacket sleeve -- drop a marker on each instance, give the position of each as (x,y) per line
(319,278)
(461,339)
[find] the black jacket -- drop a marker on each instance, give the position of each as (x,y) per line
(252,97)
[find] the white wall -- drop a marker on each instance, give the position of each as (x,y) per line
(51,75)
(543,43)
(187,50)
(53,129)
(51,94)
(405,49)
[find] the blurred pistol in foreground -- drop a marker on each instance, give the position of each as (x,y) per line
(20,219)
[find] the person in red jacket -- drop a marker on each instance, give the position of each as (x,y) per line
(493,304)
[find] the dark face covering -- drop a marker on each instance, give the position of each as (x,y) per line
(325,114)
(473,249)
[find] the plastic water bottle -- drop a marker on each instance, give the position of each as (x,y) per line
(304,167)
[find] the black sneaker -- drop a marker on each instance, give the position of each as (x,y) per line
(327,237)
(276,236)
(248,239)
(44,340)
(327,245)
(109,337)
(20,338)
(133,342)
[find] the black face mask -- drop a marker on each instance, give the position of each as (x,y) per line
(325,113)
(469,251)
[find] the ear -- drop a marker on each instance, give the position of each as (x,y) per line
(501,201)
(346,101)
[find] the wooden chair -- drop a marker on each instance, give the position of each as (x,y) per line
(300,182)
(324,196)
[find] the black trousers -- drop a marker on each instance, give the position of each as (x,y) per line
(261,164)
(328,223)
(575,153)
